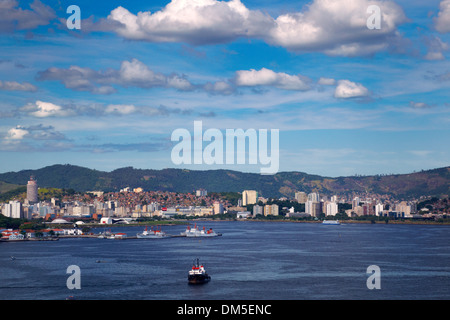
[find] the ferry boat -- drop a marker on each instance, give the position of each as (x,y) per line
(152,234)
(331,222)
(198,275)
(196,232)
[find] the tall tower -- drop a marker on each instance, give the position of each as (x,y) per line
(32,190)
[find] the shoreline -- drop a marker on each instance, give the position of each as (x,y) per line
(186,222)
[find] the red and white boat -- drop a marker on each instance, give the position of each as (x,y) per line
(196,232)
(152,234)
(198,275)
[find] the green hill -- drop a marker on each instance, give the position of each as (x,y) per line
(428,183)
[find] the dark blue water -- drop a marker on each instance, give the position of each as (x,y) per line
(252,260)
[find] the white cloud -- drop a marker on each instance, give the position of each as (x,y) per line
(13,18)
(132,73)
(442,22)
(41,109)
(348,89)
(266,77)
(336,27)
(17,133)
(120,109)
(196,22)
(16,86)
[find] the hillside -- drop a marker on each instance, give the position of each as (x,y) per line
(434,182)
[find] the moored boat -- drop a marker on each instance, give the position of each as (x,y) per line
(196,232)
(151,234)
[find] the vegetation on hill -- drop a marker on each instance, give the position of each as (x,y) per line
(425,183)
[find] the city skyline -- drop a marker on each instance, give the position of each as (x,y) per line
(345,98)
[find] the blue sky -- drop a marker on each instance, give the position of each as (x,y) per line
(346,99)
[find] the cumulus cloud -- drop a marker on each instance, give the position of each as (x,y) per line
(348,89)
(17,133)
(14,18)
(16,86)
(336,27)
(36,132)
(34,138)
(41,109)
(195,22)
(442,21)
(135,73)
(132,73)
(266,77)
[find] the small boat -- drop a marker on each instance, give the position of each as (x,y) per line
(198,275)
(118,236)
(331,222)
(152,234)
(105,234)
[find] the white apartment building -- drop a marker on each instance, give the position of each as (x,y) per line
(249,197)
(331,209)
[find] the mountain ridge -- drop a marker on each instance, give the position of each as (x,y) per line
(433,182)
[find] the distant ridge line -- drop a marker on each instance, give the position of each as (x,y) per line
(433,182)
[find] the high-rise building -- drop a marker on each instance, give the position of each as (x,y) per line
(32,191)
(257,210)
(218,207)
(13,209)
(355,203)
(249,197)
(331,209)
(314,197)
(313,206)
(271,210)
(379,209)
(301,197)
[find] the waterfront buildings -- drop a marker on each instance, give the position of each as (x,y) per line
(13,209)
(271,210)
(331,208)
(313,206)
(218,207)
(249,197)
(257,209)
(165,204)
(379,209)
(301,197)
